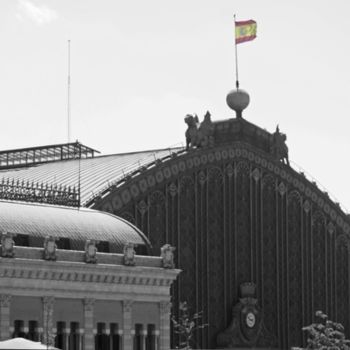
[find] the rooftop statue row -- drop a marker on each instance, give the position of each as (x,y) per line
(208,134)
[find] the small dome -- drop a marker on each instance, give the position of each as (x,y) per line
(41,220)
(237,100)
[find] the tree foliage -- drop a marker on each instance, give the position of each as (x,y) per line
(326,334)
(186,325)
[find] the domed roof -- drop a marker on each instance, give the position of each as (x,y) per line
(77,225)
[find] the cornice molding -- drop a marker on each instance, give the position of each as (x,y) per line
(25,269)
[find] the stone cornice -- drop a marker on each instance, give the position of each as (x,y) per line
(79,275)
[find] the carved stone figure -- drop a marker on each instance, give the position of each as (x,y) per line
(278,147)
(7,245)
(90,252)
(167,254)
(199,135)
(50,248)
(246,324)
(129,254)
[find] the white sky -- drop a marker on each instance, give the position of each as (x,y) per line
(137,67)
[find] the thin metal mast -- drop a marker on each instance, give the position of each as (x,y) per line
(236,56)
(68,94)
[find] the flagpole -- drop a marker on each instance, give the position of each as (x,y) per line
(236,56)
(68,94)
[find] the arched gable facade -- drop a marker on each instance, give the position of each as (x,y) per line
(237,215)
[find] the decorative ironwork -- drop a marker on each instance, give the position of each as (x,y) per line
(35,155)
(39,192)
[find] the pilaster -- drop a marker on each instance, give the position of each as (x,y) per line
(89,341)
(5,304)
(127,325)
(48,335)
(164,329)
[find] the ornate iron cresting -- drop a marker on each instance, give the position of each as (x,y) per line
(39,192)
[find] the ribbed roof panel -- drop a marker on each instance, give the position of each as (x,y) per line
(41,220)
(95,173)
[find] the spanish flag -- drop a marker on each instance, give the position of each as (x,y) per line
(245,31)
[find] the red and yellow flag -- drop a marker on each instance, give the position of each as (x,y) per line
(245,31)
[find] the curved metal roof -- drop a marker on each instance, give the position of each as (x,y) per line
(96,173)
(40,220)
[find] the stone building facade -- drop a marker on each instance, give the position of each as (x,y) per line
(81,299)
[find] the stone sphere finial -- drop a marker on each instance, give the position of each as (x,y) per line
(238,100)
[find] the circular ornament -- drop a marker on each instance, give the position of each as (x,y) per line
(196,161)
(250,320)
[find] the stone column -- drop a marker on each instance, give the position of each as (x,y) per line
(164,325)
(67,335)
(48,336)
(156,339)
(5,303)
(81,338)
(120,339)
(143,338)
(127,325)
(89,340)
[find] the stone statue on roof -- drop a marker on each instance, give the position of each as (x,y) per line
(279,148)
(199,134)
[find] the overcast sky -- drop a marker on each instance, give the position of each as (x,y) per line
(137,67)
